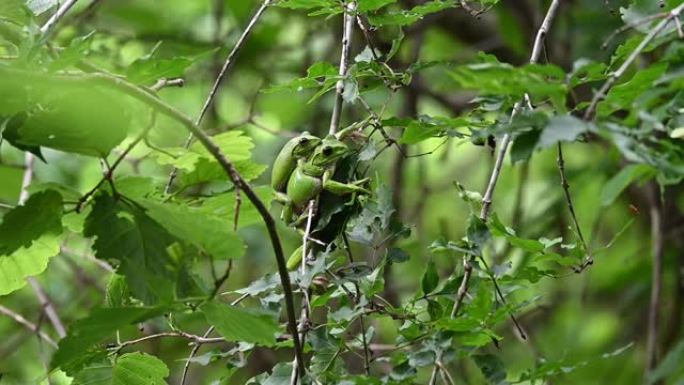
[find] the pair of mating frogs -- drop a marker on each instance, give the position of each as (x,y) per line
(304,168)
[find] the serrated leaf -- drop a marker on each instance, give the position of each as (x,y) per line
(29,237)
(623,95)
(407,17)
(128,369)
(206,232)
(99,325)
(238,324)
(373,5)
(145,252)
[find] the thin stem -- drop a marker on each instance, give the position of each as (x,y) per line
(227,65)
(194,338)
(568,199)
(28,324)
(198,345)
(613,78)
(56,17)
(348,23)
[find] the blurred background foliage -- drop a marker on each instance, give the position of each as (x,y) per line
(587,328)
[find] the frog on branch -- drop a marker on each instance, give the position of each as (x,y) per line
(299,147)
(313,176)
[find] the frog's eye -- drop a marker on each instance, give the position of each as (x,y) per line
(303,140)
(327,151)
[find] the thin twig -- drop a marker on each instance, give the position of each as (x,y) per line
(348,25)
(54,19)
(629,26)
(589,260)
(613,78)
(198,345)
(164,82)
(179,334)
(28,324)
(227,65)
(306,305)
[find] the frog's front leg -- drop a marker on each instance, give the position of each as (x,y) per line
(288,207)
(339,188)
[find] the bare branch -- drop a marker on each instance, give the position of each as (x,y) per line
(56,17)
(28,324)
(227,65)
(613,78)
(347,32)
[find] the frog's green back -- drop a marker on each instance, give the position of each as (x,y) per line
(286,161)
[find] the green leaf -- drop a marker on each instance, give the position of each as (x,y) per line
(430,278)
(147,254)
(623,95)
(407,17)
(72,116)
(397,255)
(477,231)
(223,206)
(14,11)
(626,176)
(29,237)
(206,232)
(99,325)
(373,5)
(241,325)
(128,369)
(564,128)
(491,366)
(139,369)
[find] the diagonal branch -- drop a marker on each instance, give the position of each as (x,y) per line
(613,78)
(227,65)
(56,17)
(28,324)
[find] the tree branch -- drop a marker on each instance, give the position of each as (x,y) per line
(28,324)
(227,65)
(348,22)
(56,17)
(613,78)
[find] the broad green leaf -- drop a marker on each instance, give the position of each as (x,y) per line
(223,206)
(563,128)
(406,17)
(29,237)
(623,95)
(206,232)
(619,182)
(373,5)
(128,369)
(152,260)
(430,278)
(26,262)
(65,113)
(139,369)
(99,325)
(14,11)
(477,231)
(241,325)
